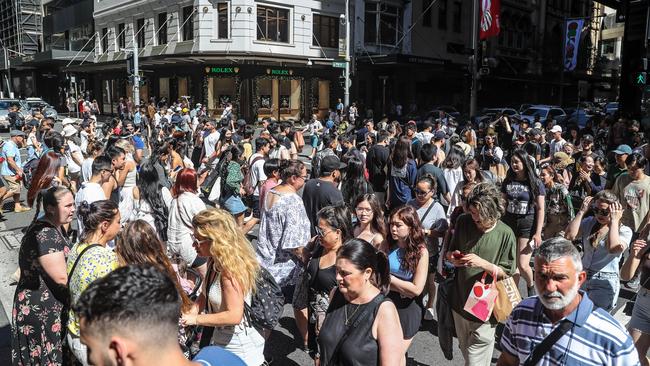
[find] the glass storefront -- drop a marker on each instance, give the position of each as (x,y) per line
(221,90)
(280,99)
(323,98)
(163,87)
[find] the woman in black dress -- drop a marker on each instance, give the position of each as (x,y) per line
(41,298)
(361,326)
(334,228)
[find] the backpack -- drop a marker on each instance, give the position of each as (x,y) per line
(247,171)
(267,302)
(29,169)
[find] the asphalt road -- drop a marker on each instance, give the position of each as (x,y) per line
(282,346)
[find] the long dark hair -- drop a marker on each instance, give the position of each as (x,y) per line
(355,183)
(455,158)
(46,170)
(415,241)
(150,186)
(378,223)
(401,153)
(532,179)
(363,255)
(338,217)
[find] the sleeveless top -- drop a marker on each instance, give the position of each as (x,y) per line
(320,279)
(359,348)
(130,180)
(395,262)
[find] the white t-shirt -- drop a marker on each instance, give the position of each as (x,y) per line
(257,172)
(73,167)
(89,192)
(84,141)
(210,143)
(87,169)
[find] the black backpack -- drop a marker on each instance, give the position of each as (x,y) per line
(29,169)
(267,302)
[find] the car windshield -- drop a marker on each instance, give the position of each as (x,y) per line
(535,112)
(5,105)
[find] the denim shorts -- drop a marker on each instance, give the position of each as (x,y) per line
(641,312)
(602,288)
(522,225)
(234,205)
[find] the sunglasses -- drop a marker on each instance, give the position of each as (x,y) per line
(601,211)
(419,192)
(322,233)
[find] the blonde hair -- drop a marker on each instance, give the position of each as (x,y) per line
(126,145)
(230,249)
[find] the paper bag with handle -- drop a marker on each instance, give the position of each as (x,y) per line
(482,298)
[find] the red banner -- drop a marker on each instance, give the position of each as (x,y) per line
(490,26)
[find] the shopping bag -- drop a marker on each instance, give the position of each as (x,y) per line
(481,299)
(508,297)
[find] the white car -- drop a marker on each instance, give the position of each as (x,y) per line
(544,112)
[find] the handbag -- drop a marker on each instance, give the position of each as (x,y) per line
(481,299)
(508,297)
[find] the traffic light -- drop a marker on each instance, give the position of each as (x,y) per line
(640,78)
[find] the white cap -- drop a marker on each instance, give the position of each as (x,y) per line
(69,130)
(67,121)
(556,128)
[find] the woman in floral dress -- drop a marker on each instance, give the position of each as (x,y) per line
(41,298)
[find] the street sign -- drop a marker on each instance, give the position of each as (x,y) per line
(338,64)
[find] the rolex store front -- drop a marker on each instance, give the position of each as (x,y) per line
(222,85)
(278,94)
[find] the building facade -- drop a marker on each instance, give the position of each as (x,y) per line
(268,59)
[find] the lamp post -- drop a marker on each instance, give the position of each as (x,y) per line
(346,88)
(5,51)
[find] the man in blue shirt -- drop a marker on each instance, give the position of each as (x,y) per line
(12,168)
(591,336)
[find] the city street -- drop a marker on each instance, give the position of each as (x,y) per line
(282,346)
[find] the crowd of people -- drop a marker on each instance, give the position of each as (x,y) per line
(143,245)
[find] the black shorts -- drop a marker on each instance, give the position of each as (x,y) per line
(522,225)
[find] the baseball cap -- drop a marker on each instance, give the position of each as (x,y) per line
(68,131)
(439,135)
(534,132)
(556,128)
(331,163)
(16,133)
(538,125)
(623,149)
(185,110)
(588,137)
(67,121)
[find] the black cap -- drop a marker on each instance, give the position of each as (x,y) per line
(439,135)
(330,163)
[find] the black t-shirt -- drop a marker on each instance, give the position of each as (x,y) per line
(316,195)
(533,149)
(440,178)
(376,161)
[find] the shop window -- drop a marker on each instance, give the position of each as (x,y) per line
(188,23)
(323,97)
(382,24)
(222,21)
(427,13)
(442,14)
(272,24)
(106,96)
(278,98)
(104,40)
(220,92)
(121,36)
(183,87)
(326,31)
(163,86)
(457,16)
(162,28)
(140,31)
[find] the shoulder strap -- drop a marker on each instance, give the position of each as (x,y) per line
(427,211)
(364,314)
(547,343)
(77,260)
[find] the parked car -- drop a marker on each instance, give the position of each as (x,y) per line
(611,108)
(46,109)
(5,104)
(523,107)
(448,110)
(544,112)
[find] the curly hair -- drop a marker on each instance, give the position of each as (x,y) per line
(488,201)
(230,249)
(415,240)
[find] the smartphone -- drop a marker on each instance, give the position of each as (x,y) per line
(458,255)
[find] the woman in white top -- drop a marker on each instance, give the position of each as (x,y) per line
(183,207)
(126,180)
(151,200)
(232,274)
(451,169)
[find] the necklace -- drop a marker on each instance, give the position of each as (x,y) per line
(345,310)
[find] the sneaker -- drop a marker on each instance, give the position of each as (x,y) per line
(633,284)
(429,314)
(21,209)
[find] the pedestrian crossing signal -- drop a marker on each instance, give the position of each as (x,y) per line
(640,78)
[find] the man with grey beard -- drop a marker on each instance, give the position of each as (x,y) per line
(561,325)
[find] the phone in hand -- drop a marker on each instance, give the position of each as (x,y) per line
(458,255)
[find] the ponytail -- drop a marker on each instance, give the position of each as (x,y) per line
(382,276)
(364,255)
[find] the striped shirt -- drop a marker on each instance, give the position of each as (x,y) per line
(595,338)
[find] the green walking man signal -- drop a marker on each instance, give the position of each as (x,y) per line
(640,78)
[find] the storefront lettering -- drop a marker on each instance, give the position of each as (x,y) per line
(222,70)
(280,72)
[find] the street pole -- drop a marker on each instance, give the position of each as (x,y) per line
(473,97)
(346,89)
(136,74)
